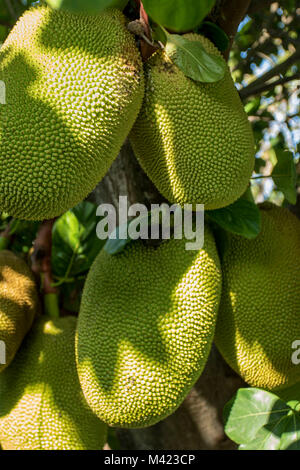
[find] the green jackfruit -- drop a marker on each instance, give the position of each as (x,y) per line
(145,329)
(74,86)
(193,139)
(259,317)
(41,404)
(18,304)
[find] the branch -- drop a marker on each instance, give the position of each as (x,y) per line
(258,5)
(261,87)
(229,15)
(277,70)
(41,256)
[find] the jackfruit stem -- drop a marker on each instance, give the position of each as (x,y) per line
(51,306)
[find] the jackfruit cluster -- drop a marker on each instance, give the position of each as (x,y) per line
(75,89)
(145,329)
(259,315)
(19,304)
(74,86)
(41,403)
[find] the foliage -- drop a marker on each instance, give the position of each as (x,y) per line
(192,58)
(259,420)
(266,52)
(264,62)
(178,15)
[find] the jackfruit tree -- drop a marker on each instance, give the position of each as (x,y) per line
(122,324)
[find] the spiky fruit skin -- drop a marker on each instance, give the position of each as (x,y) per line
(145,329)
(19,303)
(259,315)
(41,404)
(74,86)
(193,139)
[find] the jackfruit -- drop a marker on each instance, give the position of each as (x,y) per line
(145,329)
(41,404)
(193,139)
(259,316)
(74,85)
(19,303)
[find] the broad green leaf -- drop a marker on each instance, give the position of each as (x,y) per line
(290,439)
(87,6)
(284,175)
(281,435)
(193,60)
(251,409)
(241,218)
(74,242)
(216,34)
(253,106)
(268,437)
(178,15)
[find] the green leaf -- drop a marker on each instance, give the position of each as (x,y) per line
(290,439)
(51,305)
(241,218)
(253,106)
(215,34)
(281,435)
(87,6)
(74,242)
(250,410)
(268,437)
(284,175)
(192,58)
(178,15)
